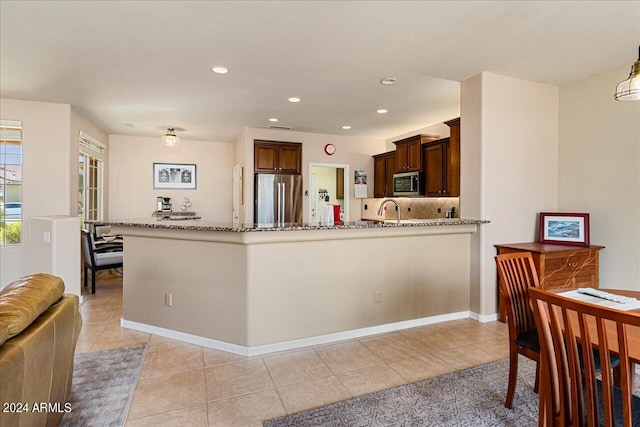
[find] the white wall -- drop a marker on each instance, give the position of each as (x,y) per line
(518,167)
(599,159)
(46,176)
(131,192)
(356,152)
(472,178)
(55,249)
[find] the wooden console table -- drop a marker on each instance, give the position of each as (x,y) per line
(558,266)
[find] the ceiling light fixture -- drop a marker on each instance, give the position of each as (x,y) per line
(347,127)
(220,69)
(381,111)
(389,81)
(294,99)
(629,90)
(170,139)
(273,119)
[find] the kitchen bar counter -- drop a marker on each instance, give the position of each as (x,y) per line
(251,290)
(208,226)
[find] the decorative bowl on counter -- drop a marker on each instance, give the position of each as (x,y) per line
(109,237)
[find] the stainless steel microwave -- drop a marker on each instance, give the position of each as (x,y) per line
(406,184)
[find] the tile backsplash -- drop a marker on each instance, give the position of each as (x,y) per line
(410,208)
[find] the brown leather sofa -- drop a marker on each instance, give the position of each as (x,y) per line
(39,328)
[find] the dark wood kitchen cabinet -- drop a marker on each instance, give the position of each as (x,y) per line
(558,266)
(384,166)
(409,152)
(340,183)
(435,168)
(441,164)
(277,157)
(453,158)
(408,155)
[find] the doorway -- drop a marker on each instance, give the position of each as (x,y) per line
(329,185)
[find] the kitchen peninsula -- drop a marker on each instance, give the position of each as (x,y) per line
(253,290)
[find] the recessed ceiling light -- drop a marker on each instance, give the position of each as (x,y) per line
(273,119)
(294,99)
(220,69)
(346,127)
(389,81)
(381,111)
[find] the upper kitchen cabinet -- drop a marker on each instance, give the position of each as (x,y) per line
(384,166)
(408,154)
(435,169)
(442,164)
(277,157)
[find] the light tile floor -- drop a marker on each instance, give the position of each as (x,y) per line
(185,384)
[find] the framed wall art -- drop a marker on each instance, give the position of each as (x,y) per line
(564,228)
(174,176)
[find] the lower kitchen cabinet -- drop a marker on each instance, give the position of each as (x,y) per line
(558,266)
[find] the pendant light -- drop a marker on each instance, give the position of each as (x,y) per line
(629,90)
(170,139)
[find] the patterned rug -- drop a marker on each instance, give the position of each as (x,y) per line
(473,397)
(103,385)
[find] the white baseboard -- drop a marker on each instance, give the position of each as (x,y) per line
(290,345)
(484,318)
(181,336)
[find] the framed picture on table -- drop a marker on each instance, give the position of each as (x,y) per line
(174,175)
(564,228)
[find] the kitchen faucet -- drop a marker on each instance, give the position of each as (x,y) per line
(384,202)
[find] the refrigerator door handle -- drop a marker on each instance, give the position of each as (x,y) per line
(282,201)
(282,194)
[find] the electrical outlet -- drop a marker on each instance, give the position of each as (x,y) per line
(377,296)
(168,299)
(46,237)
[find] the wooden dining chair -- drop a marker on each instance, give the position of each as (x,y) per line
(517,274)
(572,333)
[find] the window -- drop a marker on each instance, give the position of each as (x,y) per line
(10,182)
(90,178)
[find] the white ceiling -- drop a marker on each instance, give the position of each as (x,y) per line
(148,63)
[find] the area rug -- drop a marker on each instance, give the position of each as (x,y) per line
(473,397)
(103,385)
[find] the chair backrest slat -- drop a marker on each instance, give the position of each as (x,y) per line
(518,273)
(86,245)
(570,330)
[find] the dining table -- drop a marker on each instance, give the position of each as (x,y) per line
(633,332)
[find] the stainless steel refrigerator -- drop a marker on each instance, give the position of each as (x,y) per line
(278,199)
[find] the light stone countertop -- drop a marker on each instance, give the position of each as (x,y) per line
(197,224)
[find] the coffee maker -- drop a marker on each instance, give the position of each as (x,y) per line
(163,204)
